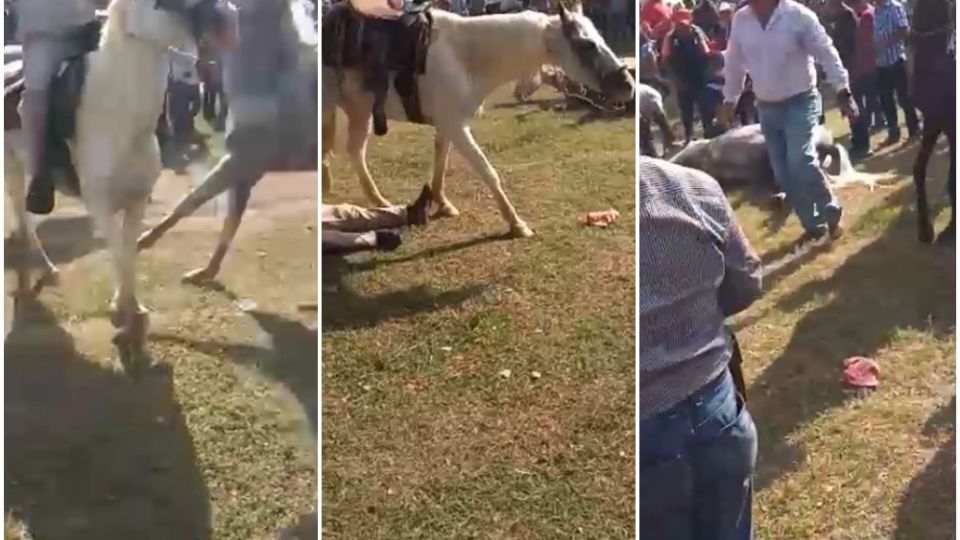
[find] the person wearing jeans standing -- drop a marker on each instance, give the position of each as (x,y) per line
(777,42)
(863,78)
(686,52)
(890,30)
(697,444)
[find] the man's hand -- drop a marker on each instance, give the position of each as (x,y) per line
(725,114)
(847,106)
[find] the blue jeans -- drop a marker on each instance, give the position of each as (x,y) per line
(788,130)
(865,95)
(696,465)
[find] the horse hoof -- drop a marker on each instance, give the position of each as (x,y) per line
(947,237)
(446,210)
(199,276)
(520,230)
(51,278)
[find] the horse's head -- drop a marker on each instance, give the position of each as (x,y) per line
(176,22)
(579,49)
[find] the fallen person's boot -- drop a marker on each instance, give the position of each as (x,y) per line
(41,196)
(418,210)
(388,240)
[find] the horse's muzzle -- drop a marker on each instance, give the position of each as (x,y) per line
(618,86)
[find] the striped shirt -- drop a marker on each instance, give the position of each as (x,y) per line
(695,268)
(889,17)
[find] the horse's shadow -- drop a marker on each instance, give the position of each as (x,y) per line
(891,284)
(65,239)
(346,309)
(285,351)
(927,509)
(90,453)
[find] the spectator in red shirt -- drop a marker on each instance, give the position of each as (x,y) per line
(655,16)
(863,78)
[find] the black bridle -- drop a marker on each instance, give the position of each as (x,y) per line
(588,51)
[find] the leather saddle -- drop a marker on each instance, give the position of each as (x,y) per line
(66,90)
(380,48)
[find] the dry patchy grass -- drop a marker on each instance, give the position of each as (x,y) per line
(833,464)
(423,435)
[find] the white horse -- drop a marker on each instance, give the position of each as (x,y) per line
(114,149)
(468,58)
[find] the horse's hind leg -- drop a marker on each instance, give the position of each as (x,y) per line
(948,235)
(441,158)
(358,131)
(327,138)
(930,133)
(464,142)
(239,197)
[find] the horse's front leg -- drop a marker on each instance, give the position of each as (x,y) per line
(441,159)
(462,139)
(327,139)
(359,119)
(239,197)
(220,179)
(948,235)
(929,140)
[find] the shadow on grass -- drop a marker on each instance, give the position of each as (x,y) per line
(891,284)
(927,509)
(65,239)
(286,352)
(90,453)
(339,265)
(345,309)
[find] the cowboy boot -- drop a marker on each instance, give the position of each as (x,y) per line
(40,194)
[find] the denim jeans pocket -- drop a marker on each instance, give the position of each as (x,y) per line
(665,505)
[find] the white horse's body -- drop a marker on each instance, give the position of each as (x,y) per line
(468,58)
(114,148)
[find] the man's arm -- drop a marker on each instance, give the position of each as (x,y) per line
(820,46)
(733,69)
(742,281)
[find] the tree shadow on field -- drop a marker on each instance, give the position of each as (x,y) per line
(346,309)
(90,453)
(891,284)
(65,239)
(927,509)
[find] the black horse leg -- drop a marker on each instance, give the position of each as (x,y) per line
(930,133)
(948,235)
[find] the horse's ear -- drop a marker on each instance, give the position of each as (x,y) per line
(564,14)
(577,7)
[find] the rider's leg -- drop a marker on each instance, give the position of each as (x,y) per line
(41,56)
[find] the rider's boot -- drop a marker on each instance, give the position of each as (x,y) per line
(40,195)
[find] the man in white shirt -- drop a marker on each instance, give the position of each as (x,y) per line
(777,43)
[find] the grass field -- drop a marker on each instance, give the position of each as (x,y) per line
(835,465)
(477,387)
(217,441)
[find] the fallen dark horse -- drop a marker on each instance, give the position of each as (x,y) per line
(934,67)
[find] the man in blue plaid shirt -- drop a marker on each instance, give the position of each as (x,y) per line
(890,31)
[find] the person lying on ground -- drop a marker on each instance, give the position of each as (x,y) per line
(697,442)
(346,228)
